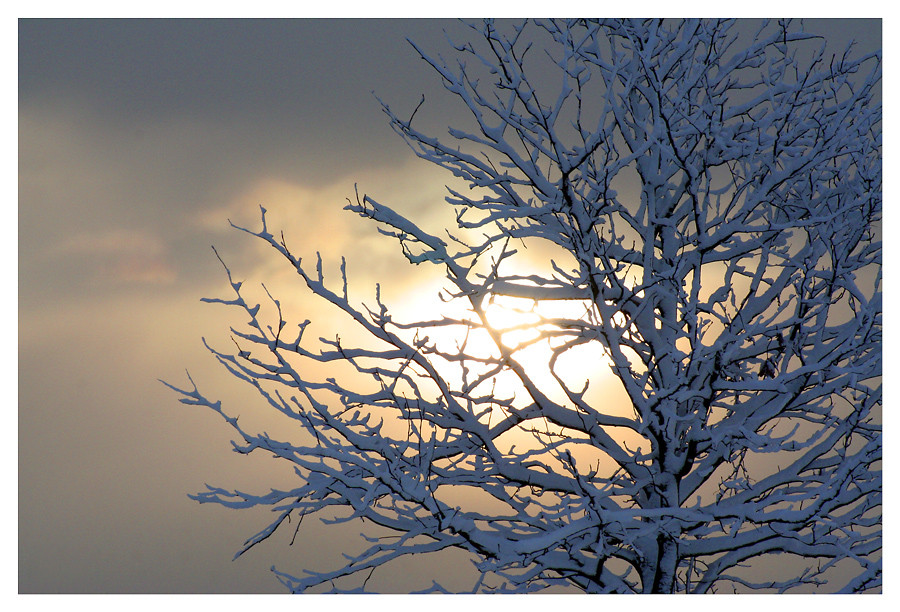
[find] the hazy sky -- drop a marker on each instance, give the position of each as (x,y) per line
(137,141)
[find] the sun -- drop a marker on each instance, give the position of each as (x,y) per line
(531,335)
(527,329)
(518,329)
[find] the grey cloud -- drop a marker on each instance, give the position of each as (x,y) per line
(294,95)
(128,69)
(130,125)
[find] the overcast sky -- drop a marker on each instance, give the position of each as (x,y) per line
(138,140)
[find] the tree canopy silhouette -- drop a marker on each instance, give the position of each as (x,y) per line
(709,197)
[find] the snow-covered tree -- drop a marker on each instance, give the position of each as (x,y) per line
(707,200)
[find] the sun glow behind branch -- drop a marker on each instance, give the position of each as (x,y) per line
(528,334)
